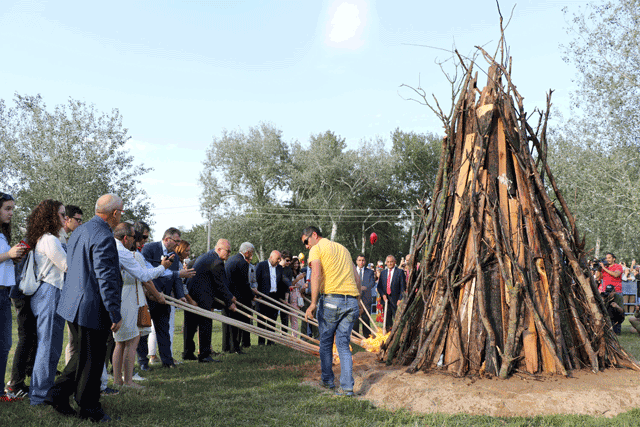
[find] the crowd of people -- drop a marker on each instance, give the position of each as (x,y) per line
(110,286)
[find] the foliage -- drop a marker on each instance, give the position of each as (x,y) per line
(73,154)
(595,155)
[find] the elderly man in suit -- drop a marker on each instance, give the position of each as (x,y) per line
(367,282)
(391,286)
(271,283)
(237,269)
(90,301)
(154,253)
(209,283)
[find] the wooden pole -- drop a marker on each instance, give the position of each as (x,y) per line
(370,318)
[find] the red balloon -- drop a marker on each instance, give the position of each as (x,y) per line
(373,238)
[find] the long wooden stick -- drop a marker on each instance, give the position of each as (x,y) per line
(284,339)
(384,323)
(269,325)
(370,318)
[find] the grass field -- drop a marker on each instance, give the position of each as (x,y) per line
(263,388)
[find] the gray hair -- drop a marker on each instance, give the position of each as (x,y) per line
(246,247)
(108,203)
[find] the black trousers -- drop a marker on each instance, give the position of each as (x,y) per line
(160,316)
(193,323)
(391,313)
(270,313)
(27,342)
(239,338)
(81,376)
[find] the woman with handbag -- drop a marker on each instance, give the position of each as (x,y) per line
(136,320)
(295,296)
(50,259)
(8,255)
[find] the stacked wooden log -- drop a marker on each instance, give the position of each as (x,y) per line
(503,283)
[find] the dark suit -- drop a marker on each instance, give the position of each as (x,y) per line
(398,285)
(237,269)
(90,301)
(367,279)
(209,283)
(160,313)
(263,277)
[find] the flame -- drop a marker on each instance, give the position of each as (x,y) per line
(373,343)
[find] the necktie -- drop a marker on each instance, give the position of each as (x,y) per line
(389,281)
(361,274)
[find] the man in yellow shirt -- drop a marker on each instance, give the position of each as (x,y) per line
(334,276)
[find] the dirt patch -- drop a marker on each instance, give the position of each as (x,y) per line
(605,394)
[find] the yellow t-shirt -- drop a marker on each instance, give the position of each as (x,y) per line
(337,267)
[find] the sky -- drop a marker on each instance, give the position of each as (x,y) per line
(180,72)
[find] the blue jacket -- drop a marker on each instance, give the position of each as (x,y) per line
(369,281)
(93,286)
(209,282)
(152,252)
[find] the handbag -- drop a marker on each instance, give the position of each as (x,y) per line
(29,282)
(144,316)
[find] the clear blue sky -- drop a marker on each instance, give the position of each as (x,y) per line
(181,71)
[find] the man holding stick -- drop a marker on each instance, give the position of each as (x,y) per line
(334,276)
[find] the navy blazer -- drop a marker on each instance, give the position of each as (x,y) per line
(398,285)
(92,288)
(237,269)
(210,281)
(263,277)
(369,281)
(153,252)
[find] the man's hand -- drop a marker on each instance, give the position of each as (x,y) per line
(187,273)
(309,314)
(234,300)
(384,298)
(166,263)
(184,300)
(116,326)
(232,307)
(363,288)
(160,299)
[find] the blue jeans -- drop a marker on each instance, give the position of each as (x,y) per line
(336,316)
(5,331)
(50,327)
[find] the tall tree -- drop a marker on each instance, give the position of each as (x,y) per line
(596,153)
(244,173)
(74,154)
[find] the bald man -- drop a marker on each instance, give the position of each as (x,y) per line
(270,282)
(209,283)
(90,302)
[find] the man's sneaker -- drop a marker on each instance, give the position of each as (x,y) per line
(16,392)
(136,377)
(5,398)
(109,392)
(347,393)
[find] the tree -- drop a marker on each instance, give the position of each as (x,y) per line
(74,154)
(596,153)
(245,172)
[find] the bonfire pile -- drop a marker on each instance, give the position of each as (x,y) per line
(503,284)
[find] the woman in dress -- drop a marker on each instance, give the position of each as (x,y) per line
(8,255)
(135,274)
(295,296)
(50,258)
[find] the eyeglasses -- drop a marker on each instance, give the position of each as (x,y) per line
(6,196)
(145,236)
(287,260)
(177,241)
(306,241)
(78,220)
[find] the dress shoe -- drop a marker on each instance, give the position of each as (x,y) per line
(208,359)
(169,366)
(144,367)
(62,408)
(189,357)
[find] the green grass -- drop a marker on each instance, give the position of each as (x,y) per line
(264,388)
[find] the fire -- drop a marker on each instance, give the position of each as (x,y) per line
(373,343)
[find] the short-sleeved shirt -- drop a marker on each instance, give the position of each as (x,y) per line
(608,279)
(337,267)
(7,273)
